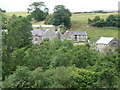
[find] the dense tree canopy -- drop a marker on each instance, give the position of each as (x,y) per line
(38,11)
(19,32)
(111,21)
(61,16)
(60,77)
(60,64)
(18,35)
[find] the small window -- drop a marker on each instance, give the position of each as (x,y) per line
(35,39)
(75,37)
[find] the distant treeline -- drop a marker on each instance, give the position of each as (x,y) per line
(99,11)
(110,21)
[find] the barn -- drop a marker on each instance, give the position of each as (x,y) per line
(107,44)
(76,36)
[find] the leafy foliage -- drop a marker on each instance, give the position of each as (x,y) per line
(38,11)
(60,77)
(19,32)
(61,16)
(20,79)
(18,35)
(49,19)
(111,21)
(59,64)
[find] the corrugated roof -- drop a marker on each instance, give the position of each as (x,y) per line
(104,40)
(47,25)
(78,32)
(42,25)
(35,25)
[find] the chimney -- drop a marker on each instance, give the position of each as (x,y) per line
(59,29)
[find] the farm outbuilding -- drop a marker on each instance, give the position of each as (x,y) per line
(107,44)
(76,36)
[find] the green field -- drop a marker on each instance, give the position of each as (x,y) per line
(22,14)
(17,13)
(79,23)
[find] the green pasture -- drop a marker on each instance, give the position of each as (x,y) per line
(79,23)
(17,13)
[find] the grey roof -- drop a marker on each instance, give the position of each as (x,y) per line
(78,32)
(38,32)
(104,40)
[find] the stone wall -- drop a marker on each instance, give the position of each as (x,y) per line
(37,39)
(111,46)
(49,34)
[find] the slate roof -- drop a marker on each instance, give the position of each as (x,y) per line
(78,32)
(104,40)
(38,32)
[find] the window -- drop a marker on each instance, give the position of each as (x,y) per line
(114,43)
(35,39)
(75,37)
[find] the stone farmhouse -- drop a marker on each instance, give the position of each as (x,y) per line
(107,44)
(76,36)
(40,32)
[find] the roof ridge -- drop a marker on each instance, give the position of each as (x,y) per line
(107,37)
(105,40)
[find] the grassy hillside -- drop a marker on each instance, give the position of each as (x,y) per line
(79,23)
(17,13)
(22,14)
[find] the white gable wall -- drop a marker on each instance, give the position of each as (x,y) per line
(104,43)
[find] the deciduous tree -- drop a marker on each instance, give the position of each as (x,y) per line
(38,11)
